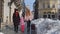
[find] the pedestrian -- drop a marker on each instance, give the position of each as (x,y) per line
(28,18)
(22,24)
(16,20)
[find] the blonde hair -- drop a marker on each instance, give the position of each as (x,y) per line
(27,12)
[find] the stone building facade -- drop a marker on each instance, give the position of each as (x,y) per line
(1,9)
(6,12)
(48,9)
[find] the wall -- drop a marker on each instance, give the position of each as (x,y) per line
(12,10)
(6,10)
(46,9)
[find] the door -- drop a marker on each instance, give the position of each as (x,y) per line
(59,17)
(1,11)
(49,16)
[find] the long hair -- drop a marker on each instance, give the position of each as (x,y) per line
(27,12)
(15,10)
(16,13)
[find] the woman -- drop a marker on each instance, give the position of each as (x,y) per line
(28,18)
(16,20)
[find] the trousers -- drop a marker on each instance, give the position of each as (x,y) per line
(16,28)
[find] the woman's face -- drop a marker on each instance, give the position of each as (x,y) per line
(16,11)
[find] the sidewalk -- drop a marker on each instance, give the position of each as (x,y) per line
(9,30)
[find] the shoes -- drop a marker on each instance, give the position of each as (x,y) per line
(16,31)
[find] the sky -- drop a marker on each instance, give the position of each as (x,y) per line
(30,3)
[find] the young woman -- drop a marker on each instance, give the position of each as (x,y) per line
(28,18)
(16,20)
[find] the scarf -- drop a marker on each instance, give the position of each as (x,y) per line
(16,14)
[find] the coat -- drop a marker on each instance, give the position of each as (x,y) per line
(16,20)
(22,24)
(28,17)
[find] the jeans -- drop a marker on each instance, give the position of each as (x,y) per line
(16,28)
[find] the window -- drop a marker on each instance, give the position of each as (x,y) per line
(49,16)
(44,16)
(48,5)
(52,12)
(53,6)
(53,16)
(59,10)
(59,17)
(59,6)
(43,5)
(44,12)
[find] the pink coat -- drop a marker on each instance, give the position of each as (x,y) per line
(21,21)
(22,24)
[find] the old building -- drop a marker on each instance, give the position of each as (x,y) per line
(1,9)
(35,7)
(59,9)
(6,11)
(47,9)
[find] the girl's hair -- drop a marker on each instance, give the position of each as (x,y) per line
(15,10)
(27,12)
